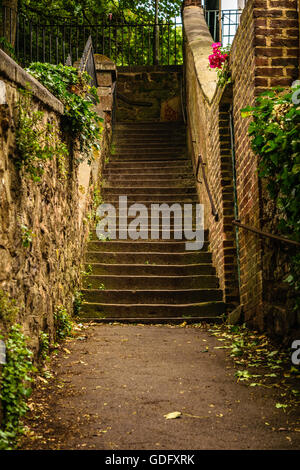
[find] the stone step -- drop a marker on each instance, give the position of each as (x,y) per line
(151,282)
(162,235)
(149,140)
(149,190)
(171,183)
(162,230)
(119,312)
(115,176)
(144,246)
(151,296)
(151,269)
(152,147)
(151,156)
(150,125)
(133,257)
(149,166)
(149,135)
(148,199)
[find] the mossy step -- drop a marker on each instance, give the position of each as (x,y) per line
(131,257)
(147,296)
(122,311)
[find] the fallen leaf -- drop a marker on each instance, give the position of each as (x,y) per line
(174,415)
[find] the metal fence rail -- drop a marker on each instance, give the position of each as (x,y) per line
(124,43)
(223,24)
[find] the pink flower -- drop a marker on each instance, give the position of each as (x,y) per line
(216,46)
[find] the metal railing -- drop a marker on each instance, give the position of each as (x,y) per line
(223,24)
(263,234)
(124,43)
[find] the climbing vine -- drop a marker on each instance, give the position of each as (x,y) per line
(15,386)
(37,143)
(8,309)
(72,88)
(275,131)
(8,48)
(63,323)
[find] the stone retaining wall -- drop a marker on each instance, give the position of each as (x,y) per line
(47,273)
(158,86)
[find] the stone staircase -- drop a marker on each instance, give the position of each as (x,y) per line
(146,279)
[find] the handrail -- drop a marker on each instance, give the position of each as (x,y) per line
(265,234)
(126,100)
(212,204)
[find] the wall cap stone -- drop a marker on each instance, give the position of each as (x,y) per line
(12,71)
(199,41)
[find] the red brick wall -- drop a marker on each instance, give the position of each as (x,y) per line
(208,125)
(265,53)
(242,63)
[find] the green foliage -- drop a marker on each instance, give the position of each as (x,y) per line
(97,10)
(44,345)
(224,76)
(258,362)
(77,303)
(8,309)
(37,143)
(8,48)
(74,91)
(27,236)
(63,323)
(275,131)
(15,387)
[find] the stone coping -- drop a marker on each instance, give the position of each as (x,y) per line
(199,41)
(12,71)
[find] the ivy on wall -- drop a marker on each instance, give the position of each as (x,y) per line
(36,141)
(73,89)
(15,386)
(275,133)
(18,374)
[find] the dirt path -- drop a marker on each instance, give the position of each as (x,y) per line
(112,390)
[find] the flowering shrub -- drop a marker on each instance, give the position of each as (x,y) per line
(219,60)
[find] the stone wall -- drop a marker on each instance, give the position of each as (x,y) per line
(47,273)
(264,53)
(159,87)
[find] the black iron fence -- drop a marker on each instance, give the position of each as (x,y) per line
(223,24)
(124,43)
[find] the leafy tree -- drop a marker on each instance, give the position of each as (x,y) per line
(98,10)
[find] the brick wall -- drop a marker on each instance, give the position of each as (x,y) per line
(264,53)
(266,44)
(208,126)
(245,84)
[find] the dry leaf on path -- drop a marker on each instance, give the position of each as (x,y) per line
(174,415)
